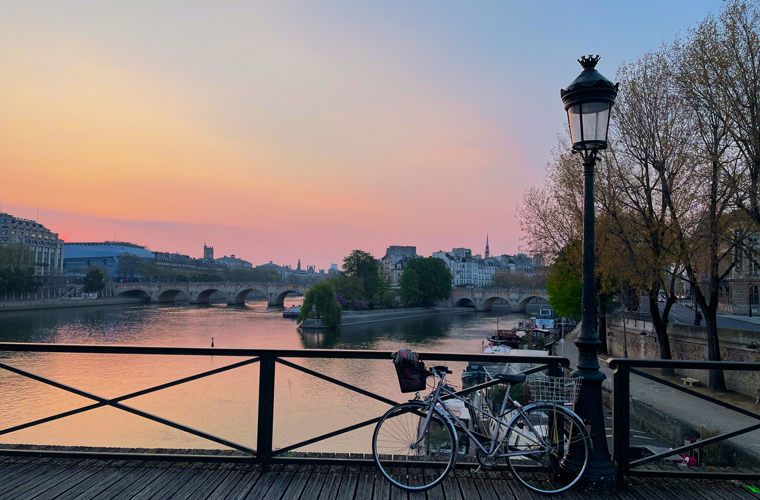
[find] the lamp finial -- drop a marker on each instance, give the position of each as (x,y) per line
(589,61)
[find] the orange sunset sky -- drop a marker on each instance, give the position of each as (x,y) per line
(286,130)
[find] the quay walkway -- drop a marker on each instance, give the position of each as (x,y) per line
(69,479)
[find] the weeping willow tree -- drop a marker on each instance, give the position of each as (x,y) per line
(322,295)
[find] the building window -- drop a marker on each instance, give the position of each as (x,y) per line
(754,295)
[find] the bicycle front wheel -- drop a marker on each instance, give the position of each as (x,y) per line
(409,465)
(548,448)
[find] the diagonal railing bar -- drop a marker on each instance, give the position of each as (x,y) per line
(186,379)
(695,394)
(184,428)
(337,382)
(51,418)
(115,404)
(329,435)
(59,385)
(698,444)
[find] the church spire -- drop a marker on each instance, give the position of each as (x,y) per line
(488,251)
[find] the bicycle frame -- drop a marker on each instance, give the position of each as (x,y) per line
(435,400)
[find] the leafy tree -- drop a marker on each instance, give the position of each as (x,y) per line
(323,296)
(410,287)
(364,266)
(94,279)
(433,280)
(350,288)
(565,286)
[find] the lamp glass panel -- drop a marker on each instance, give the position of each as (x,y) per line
(595,116)
(574,118)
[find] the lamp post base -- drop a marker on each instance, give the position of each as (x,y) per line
(600,474)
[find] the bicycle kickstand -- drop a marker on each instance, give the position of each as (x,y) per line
(476,471)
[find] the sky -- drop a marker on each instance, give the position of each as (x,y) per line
(297,129)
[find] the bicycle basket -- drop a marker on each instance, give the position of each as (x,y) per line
(410,370)
(557,390)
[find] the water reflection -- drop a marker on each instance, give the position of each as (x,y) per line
(223,404)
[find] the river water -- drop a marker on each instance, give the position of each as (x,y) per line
(226,404)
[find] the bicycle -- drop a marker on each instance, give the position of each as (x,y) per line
(546,446)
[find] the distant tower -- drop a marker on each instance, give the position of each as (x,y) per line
(208,252)
(488,251)
(299,265)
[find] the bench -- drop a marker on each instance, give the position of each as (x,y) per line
(690,381)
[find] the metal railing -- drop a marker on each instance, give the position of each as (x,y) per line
(621,420)
(268,359)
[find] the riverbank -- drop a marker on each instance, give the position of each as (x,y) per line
(354,318)
(65,304)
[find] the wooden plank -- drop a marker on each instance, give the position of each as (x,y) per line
(151,474)
(242,488)
(364,486)
(347,489)
(331,487)
(215,479)
(451,488)
(71,482)
(469,491)
(382,490)
(280,485)
(189,487)
(35,488)
(502,489)
(400,476)
(296,486)
(155,486)
(25,476)
(170,488)
(229,482)
(485,489)
(9,468)
(96,488)
(261,487)
(313,486)
(416,481)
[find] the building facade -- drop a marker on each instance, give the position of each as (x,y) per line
(81,255)
(395,259)
(466,270)
(233,262)
(45,245)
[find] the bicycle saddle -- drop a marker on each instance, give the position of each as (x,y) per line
(511,378)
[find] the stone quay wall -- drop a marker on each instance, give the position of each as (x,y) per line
(687,343)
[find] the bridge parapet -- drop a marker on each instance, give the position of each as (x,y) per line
(482,299)
(198,293)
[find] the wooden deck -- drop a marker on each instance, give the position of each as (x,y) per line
(39,479)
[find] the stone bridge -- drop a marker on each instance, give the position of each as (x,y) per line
(200,293)
(483,299)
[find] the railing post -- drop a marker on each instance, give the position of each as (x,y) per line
(266,410)
(621,417)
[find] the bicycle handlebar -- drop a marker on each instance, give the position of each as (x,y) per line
(440,369)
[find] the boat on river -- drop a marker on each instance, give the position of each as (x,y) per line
(293,312)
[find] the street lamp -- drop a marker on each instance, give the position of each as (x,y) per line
(588,101)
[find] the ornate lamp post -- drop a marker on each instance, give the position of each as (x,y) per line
(588,102)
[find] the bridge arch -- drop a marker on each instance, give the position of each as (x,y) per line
(171,295)
(490,301)
(279,300)
(240,296)
(522,306)
(465,302)
(137,294)
(204,296)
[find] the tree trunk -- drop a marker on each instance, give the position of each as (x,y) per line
(602,321)
(661,331)
(716,378)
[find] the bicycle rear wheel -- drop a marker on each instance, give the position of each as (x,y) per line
(409,466)
(553,448)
